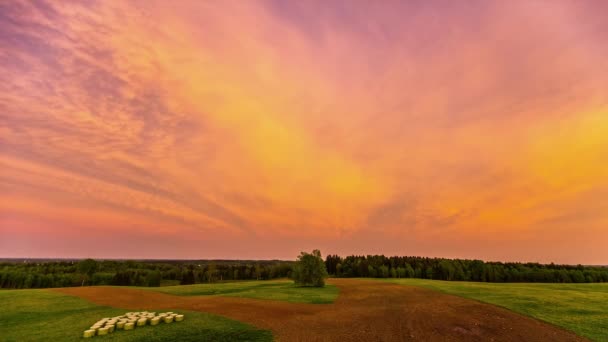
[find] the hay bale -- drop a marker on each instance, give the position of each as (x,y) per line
(120,325)
(141,322)
(88,333)
(102,331)
(179,318)
(111,328)
(168,319)
(155,321)
(129,326)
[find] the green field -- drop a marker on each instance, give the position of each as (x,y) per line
(42,315)
(582,308)
(283,290)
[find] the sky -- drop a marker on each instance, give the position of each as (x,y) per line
(259,129)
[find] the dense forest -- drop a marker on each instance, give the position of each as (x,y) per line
(64,273)
(42,274)
(380,266)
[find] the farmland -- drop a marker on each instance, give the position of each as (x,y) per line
(577,307)
(345,310)
(283,290)
(43,315)
(354,309)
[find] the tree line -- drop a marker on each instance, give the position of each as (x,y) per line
(380,266)
(44,274)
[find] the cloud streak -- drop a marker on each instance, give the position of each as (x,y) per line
(258,129)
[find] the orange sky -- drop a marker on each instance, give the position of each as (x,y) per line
(256,129)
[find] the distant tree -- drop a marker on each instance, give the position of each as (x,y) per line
(210,273)
(153,279)
(258,271)
(87,267)
(332,262)
(188,277)
(383,273)
(409,271)
(309,269)
(371,271)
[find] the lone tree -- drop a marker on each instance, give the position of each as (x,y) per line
(310,270)
(87,267)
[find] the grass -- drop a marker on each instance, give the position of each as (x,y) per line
(581,308)
(283,290)
(42,315)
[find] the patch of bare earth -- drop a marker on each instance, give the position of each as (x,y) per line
(364,311)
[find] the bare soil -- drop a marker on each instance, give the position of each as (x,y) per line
(364,311)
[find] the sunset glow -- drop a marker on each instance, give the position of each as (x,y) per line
(257,129)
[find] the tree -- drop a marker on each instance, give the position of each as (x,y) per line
(153,279)
(309,269)
(188,277)
(211,271)
(258,271)
(87,267)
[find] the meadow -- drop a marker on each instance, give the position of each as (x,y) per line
(47,315)
(577,307)
(282,290)
(44,315)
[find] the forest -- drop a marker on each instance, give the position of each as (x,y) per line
(18,274)
(62,273)
(380,266)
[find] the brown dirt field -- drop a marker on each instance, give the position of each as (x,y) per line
(364,311)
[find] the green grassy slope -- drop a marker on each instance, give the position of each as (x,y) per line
(42,315)
(582,308)
(265,289)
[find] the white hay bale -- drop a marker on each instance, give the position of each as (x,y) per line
(129,326)
(120,325)
(168,319)
(111,328)
(102,331)
(179,318)
(155,321)
(141,322)
(88,333)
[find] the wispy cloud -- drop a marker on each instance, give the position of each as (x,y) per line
(394,127)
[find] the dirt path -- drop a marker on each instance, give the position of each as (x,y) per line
(364,311)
